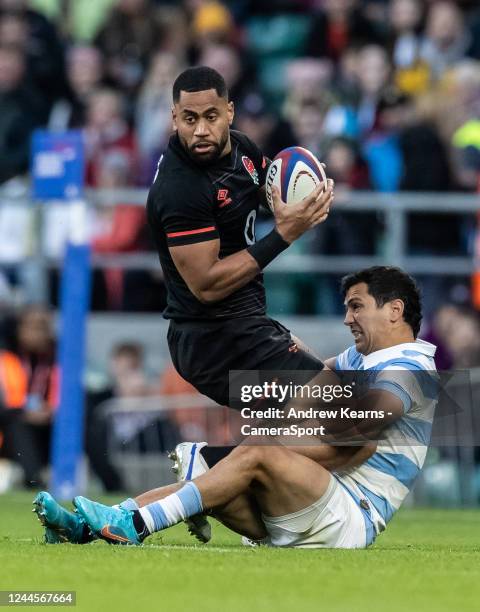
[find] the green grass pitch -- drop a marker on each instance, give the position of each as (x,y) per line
(426,560)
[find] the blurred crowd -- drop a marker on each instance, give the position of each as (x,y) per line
(386,92)
(157,409)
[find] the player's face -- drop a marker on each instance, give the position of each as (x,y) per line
(369,324)
(202,120)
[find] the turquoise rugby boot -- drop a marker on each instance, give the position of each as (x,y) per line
(114,525)
(60,525)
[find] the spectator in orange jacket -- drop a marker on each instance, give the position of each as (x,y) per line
(13,434)
(35,389)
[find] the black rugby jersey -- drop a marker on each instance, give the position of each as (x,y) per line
(189,203)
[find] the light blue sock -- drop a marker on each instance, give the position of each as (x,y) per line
(172,509)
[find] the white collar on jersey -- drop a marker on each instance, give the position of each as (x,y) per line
(392,352)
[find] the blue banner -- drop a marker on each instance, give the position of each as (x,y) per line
(57,165)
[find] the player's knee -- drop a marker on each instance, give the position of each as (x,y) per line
(249,457)
(258,459)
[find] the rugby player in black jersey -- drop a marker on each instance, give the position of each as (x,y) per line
(201,210)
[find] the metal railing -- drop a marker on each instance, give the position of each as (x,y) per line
(393,207)
(140,432)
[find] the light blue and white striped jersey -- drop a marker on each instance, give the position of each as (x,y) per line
(386,478)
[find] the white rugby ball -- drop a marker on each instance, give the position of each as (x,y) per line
(295,172)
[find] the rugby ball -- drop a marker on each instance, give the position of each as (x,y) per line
(295,172)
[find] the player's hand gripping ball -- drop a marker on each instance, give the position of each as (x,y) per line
(295,172)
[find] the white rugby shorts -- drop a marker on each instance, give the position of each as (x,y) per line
(336,520)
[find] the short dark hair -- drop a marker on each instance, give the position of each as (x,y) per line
(199,78)
(128,349)
(387,283)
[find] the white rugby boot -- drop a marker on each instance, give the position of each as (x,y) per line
(188,464)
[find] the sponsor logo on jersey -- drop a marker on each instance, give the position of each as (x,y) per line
(222,197)
(250,168)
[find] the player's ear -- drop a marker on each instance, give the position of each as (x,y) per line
(174,117)
(397,308)
(231,112)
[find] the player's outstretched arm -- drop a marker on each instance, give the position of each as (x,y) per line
(212,279)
